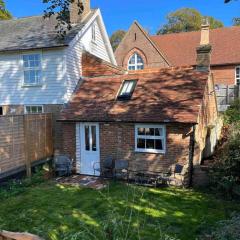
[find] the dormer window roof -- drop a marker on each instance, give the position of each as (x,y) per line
(127,89)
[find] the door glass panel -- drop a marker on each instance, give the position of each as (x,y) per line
(94,142)
(87,139)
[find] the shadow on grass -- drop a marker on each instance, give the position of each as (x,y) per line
(118,212)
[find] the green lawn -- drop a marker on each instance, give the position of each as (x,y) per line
(117,212)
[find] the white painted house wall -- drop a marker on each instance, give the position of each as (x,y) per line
(53,85)
(97,48)
(61,68)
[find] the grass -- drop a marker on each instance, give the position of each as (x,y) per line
(58,212)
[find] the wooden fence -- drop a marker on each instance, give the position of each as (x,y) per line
(24,140)
(226,94)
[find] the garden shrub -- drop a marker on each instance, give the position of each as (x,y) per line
(225,173)
(232,115)
(227,229)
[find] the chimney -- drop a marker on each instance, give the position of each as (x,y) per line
(205,49)
(78,10)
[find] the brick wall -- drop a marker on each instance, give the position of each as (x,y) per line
(224,74)
(117,140)
(136,41)
(69,140)
(207,120)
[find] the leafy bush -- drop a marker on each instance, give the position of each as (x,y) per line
(232,115)
(225,174)
(226,229)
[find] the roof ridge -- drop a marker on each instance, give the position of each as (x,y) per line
(197,31)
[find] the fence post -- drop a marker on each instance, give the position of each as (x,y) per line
(28,161)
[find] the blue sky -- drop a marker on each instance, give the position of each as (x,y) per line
(150,14)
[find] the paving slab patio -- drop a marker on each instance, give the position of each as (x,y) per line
(83,181)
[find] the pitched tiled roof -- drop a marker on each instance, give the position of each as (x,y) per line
(93,66)
(163,95)
(180,48)
(35,32)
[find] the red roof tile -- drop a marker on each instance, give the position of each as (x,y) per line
(166,95)
(180,48)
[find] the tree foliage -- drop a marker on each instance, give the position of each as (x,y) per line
(225,174)
(236,22)
(187,20)
(4,14)
(116,38)
(60,8)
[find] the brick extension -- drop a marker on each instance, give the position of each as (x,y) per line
(154,89)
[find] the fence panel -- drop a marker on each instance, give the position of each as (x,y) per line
(24,139)
(226,94)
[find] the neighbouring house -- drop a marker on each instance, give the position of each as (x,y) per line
(153,118)
(38,70)
(140,50)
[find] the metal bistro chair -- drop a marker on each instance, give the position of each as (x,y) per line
(121,169)
(175,175)
(63,165)
(106,168)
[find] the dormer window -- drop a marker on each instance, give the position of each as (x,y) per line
(135,62)
(32,69)
(127,89)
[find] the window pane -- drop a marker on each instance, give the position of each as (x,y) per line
(158,132)
(39,109)
(140,67)
(87,140)
(141,143)
(131,68)
(141,131)
(159,144)
(139,59)
(94,144)
(28,109)
(132,60)
(150,143)
(149,131)
(124,88)
(34,109)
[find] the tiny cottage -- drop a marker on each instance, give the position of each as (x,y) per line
(152,118)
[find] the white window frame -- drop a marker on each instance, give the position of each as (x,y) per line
(237,79)
(26,112)
(94,33)
(135,64)
(163,138)
(39,68)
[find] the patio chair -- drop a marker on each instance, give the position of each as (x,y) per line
(106,168)
(175,175)
(63,165)
(121,169)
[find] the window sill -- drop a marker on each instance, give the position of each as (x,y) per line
(150,151)
(31,86)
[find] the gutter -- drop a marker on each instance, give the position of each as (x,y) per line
(191,156)
(120,121)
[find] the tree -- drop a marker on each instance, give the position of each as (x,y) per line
(116,38)
(60,8)
(186,20)
(236,22)
(4,14)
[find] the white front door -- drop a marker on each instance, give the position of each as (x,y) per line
(90,152)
